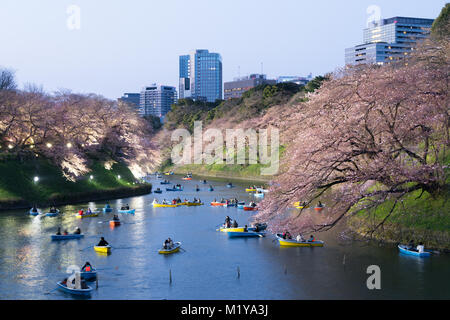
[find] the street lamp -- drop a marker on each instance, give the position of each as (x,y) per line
(69,145)
(118,177)
(36,179)
(49,145)
(91,177)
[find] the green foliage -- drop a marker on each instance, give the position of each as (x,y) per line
(441,26)
(154,121)
(315,83)
(17,180)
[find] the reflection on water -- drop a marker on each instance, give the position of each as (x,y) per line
(31,264)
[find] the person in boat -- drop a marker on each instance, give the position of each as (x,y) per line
(127,207)
(58,233)
(155,201)
(245,228)
(411,245)
(252,204)
(164,201)
(215,200)
(300,238)
(52,209)
(199,201)
(210,186)
(115,218)
(178,200)
(102,242)
(89,211)
(174,201)
(227,219)
(34,209)
(87,267)
(80,212)
(65,232)
(107,206)
(320,205)
(204,181)
(311,239)
(235,224)
(77,231)
(420,248)
(257,228)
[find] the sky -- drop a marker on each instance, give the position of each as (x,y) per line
(119,46)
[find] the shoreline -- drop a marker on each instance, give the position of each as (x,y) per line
(81,197)
(221,176)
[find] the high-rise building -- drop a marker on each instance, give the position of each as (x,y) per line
(388,39)
(132,99)
(201,76)
(235,88)
(157,100)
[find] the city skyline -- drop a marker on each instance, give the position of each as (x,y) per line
(105,57)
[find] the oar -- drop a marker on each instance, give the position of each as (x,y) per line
(183,249)
(46,293)
(87,248)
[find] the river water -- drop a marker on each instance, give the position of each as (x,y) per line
(31,264)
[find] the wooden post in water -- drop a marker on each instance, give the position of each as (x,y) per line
(238,272)
(170,276)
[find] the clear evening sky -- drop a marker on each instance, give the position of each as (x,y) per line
(124,45)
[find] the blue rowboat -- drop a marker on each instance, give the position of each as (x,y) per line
(126,211)
(34,213)
(248,234)
(404,249)
(229,185)
(89,275)
(172,189)
(105,210)
(259,195)
(157,191)
(211,189)
(67,237)
(240,205)
(165,182)
(82,292)
(52,214)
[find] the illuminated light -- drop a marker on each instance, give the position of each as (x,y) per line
(69,145)
(118,177)
(49,145)
(10,146)
(31,146)
(36,179)
(91,177)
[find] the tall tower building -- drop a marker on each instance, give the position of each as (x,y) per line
(388,39)
(157,100)
(201,76)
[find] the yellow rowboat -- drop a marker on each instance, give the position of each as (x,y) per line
(295,243)
(250,190)
(103,249)
(192,204)
(160,205)
(176,247)
(86,215)
(299,206)
(232,229)
(183,203)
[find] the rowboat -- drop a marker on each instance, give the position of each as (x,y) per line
(235,234)
(34,213)
(259,195)
(318,208)
(218,204)
(229,185)
(66,237)
(126,211)
(193,204)
(159,176)
(87,215)
(161,205)
(165,182)
(114,223)
(295,243)
(52,214)
(88,275)
(240,205)
(176,247)
(249,208)
(157,191)
(103,249)
(262,190)
(186,178)
(107,209)
(83,292)
(404,249)
(211,189)
(250,190)
(168,173)
(172,189)
(197,189)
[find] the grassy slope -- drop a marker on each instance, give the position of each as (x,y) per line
(17,183)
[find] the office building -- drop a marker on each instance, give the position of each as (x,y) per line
(157,100)
(133,99)
(295,79)
(388,39)
(201,76)
(235,88)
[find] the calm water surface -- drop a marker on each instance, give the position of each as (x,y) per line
(31,264)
